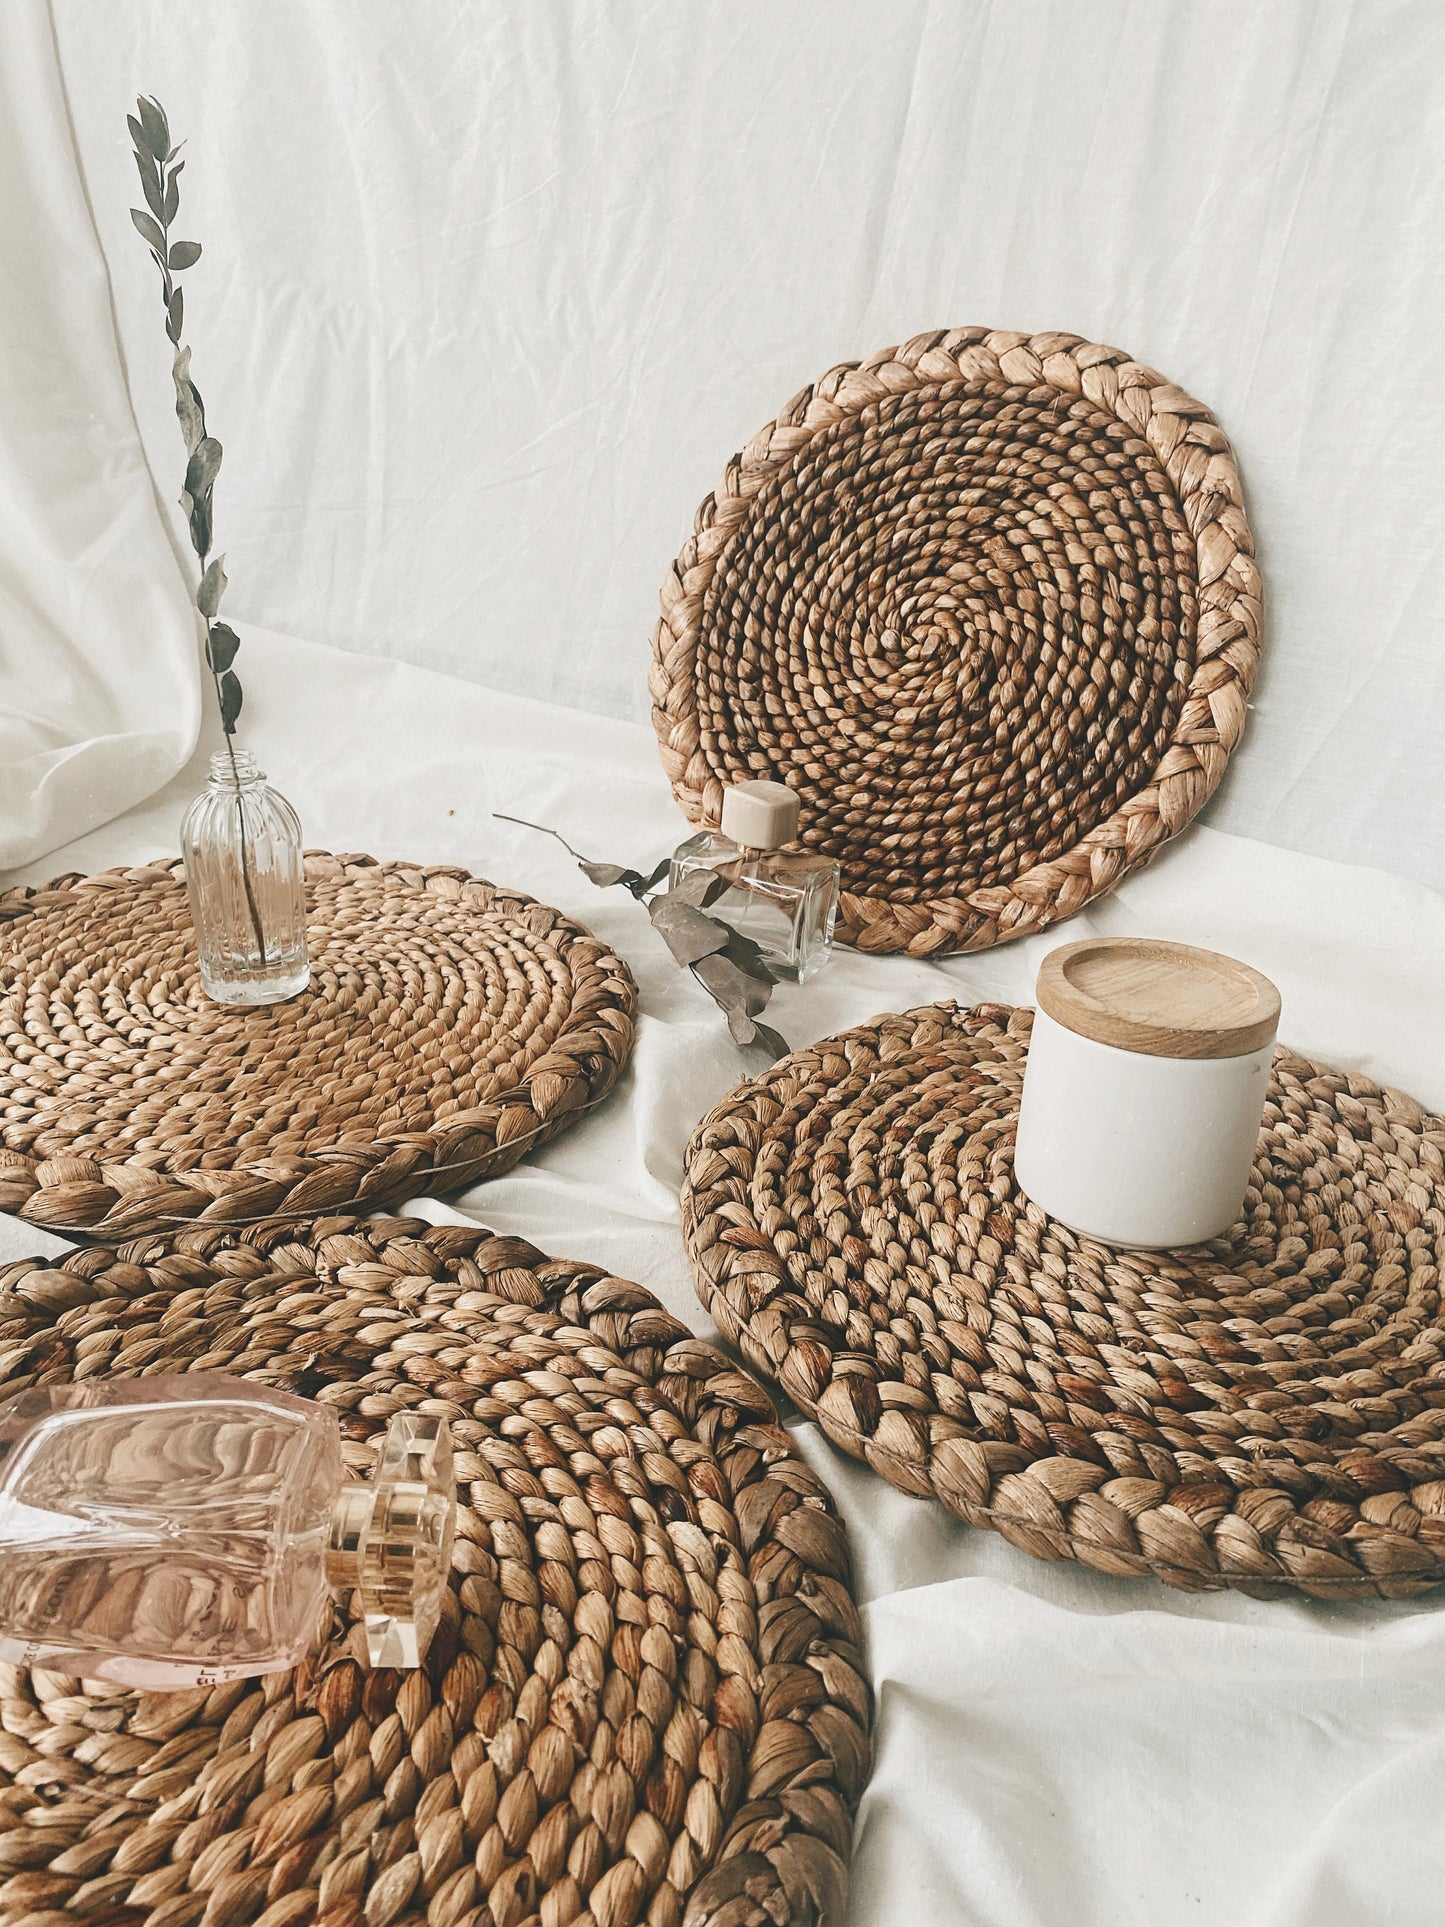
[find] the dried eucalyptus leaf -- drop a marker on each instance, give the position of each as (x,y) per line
(222,642)
(188,402)
(688,934)
(198,519)
(213,587)
(150,181)
(607,874)
(771,1040)
(149,230)
(748,956)
(604,875)
(730,992)
(733,989)
(699,888)
(204,466)
(230,701)
(742,1028)
(154,154)
(729,966)
(155,132)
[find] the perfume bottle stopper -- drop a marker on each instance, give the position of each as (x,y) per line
(760,816)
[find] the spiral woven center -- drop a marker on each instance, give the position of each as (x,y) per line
(162,1069)
(961,624)
(448,1024)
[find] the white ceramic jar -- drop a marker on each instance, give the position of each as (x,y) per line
(1144,1089)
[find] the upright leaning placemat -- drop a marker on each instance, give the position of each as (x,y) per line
(450,1026)
(1265,1411)
(987,600)
(645,1700)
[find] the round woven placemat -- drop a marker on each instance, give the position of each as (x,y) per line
(1264,1411)
(987,602)
(450,1027)
(645,1701)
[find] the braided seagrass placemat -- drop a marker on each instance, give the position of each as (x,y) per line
(987,602)
(450,1027)
(645,1701)
(1264,1411)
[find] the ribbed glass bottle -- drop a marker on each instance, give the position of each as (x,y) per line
(242,848)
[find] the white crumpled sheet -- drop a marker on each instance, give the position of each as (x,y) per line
(1055,1748)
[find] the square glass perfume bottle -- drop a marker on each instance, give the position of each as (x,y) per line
(784,900)
(183,1529)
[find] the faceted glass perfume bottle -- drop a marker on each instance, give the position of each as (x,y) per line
(184,1529)
(242,848)
(785,901)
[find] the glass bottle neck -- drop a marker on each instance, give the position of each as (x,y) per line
(235,769)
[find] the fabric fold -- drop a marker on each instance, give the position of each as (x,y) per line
(99,656)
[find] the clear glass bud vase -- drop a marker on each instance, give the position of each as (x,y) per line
(242,848)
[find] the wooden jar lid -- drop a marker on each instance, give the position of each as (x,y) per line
(1161,999)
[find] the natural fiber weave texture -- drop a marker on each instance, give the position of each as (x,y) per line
(450,1026)
(644,1702)
(1264,1411)
(987,601)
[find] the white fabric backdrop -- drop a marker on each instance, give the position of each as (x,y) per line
(1055,1749)
(492,291)
(99,691)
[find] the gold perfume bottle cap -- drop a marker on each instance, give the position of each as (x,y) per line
(761,816)
(391,1541)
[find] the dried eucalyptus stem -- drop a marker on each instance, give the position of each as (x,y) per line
(160,172)
(728,965)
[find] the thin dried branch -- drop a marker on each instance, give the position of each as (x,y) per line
(160,171)
(160,178)
(730,967)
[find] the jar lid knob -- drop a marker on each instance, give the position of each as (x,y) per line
(763,816)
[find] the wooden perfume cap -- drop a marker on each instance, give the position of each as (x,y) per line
(1159,999)
(760,816)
